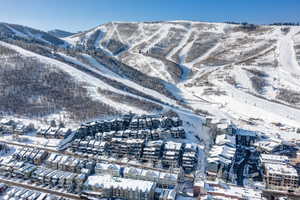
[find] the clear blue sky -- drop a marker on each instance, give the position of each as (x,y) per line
(75,15)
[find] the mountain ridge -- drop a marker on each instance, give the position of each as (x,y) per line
(60,33)
(14,30)
(236,72)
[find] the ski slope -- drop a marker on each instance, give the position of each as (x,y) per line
(217,79)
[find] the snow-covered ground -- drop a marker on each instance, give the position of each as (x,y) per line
(267,49)
(218,82)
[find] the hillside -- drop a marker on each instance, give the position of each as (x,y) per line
(60,33)
(15,31)
(249,75)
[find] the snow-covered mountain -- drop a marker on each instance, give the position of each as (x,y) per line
(247,74)
(18,31)
(60,33)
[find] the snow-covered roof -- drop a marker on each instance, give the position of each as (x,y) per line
(234,191)
(220,139)
(213,160)
(225,138)
(191,146)
(224,160)
(154,143)
(222,126)
(267,145)
(168,176)
(106,181)
(225,150)
(221,153)
(117,140)
(150,173)
(133,141)
(271,158)
(189,154)
(105,166)
(132,171)
(281,169)
(127,131)
(173,145)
